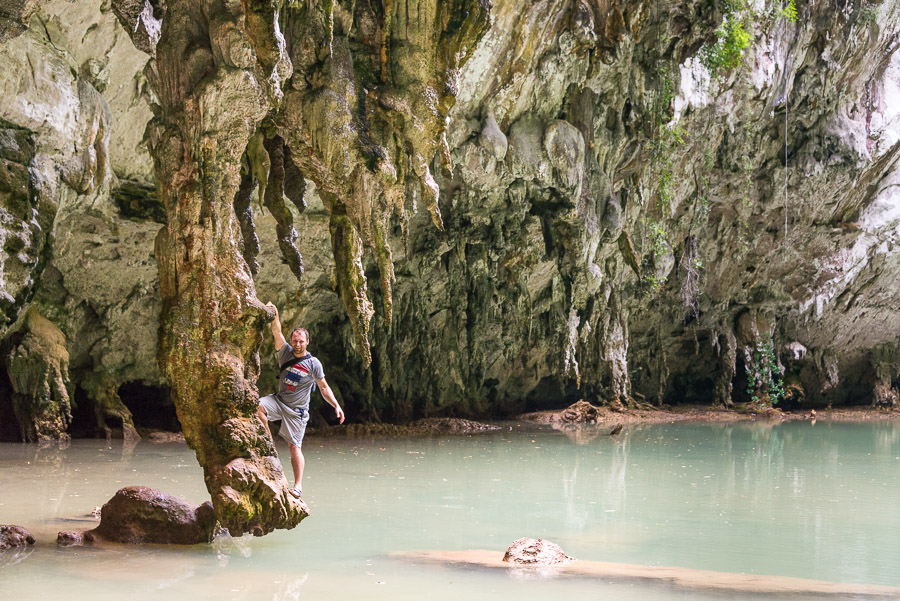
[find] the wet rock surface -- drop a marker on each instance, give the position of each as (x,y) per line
(535,552)
(12,536)
(139,514)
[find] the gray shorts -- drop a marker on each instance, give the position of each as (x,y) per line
(293,421)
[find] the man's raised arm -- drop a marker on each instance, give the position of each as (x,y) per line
(276,329)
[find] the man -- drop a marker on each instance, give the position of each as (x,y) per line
(299,373)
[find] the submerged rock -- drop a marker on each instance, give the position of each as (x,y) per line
(139,514)
(536,552)
(14,536)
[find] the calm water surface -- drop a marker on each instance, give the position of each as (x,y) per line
(819,502)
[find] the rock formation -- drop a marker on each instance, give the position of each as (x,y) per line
(38,367)
(14,536)
(138,515)
(535,552)
(475,208)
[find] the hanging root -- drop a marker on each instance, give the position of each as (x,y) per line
(274,201)
(250,247)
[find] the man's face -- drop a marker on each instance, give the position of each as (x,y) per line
(299,342)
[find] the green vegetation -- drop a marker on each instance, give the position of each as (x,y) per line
(765,381)
(659,239)
(656,245)
(868,15)
(652,282)
(732,39)
(727,52)
(789,11)
(668,138)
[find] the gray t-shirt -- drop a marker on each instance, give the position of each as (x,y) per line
(296,381)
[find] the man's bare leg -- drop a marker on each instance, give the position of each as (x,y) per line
(297,463)
(264,418)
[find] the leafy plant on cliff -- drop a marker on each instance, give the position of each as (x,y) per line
(656,245)
(668,139)
(728,50)
(659,239)
(732,39)
(653,283)
(765,378)
(789,11)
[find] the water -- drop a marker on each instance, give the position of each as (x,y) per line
(819,502)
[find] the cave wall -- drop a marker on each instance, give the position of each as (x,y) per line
(619,222)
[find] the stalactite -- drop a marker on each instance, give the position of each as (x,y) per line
(351,279)
(274,201)
(294,181)
(385,262)
(244,214)
(367,114)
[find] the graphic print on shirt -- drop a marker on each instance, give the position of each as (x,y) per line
(293,375)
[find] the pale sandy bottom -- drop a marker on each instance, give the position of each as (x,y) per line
(682,577)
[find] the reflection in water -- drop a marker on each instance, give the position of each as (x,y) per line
(290,587)
(777,499)
(582,434)
(226,545)
(10,557)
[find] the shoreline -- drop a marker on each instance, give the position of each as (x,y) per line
(610,416)
(604,416)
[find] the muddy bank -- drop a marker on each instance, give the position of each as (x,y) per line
(648,414)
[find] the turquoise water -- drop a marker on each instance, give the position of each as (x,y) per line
(795,499)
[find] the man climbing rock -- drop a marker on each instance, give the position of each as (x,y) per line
(298,375)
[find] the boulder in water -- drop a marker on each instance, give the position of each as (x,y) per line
(139,514)
(14,536)
(536,552)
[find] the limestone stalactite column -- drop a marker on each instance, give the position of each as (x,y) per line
(218,70)
(38,366)
(365,114)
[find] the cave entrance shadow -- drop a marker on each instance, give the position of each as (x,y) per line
(151,407)
(9,425)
